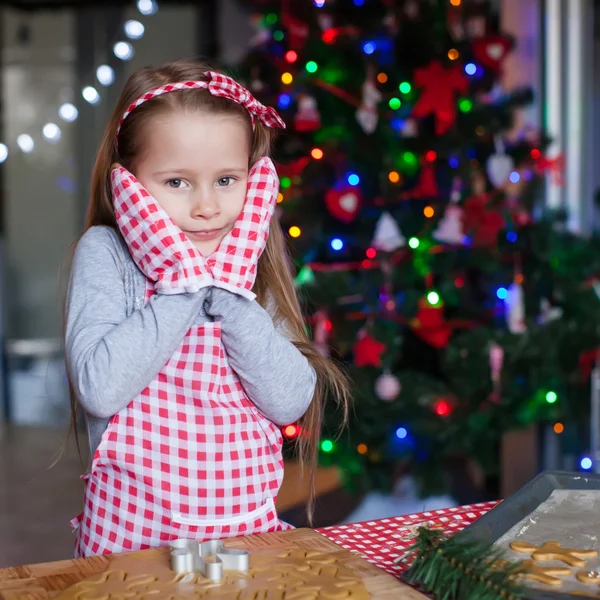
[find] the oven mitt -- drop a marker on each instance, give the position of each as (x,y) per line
(160,249)
(233,265)
(165,255)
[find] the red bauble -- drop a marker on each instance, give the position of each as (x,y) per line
(368,351)
(344,203)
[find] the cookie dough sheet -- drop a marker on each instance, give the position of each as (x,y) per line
(570,517)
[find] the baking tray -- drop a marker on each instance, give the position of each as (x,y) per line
(494,524)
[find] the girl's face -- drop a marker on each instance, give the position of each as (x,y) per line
(195,165)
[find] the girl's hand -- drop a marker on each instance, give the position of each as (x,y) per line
(233,265)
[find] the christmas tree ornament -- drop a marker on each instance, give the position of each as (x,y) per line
(439,86)
(430,325)
(555,167)
(368,351)
(367,115)
(344,203)
(496,354)
(293,169)
(476,27)
(256,85)
(450,228)
(548,313)
(387,236)
(262,34)
(454,19)
(325,21)
(426,186)
(499,165)
(390,22)
(480,222)
(307,117)
(387,387)
(410,128)
(321,332)
(297,30)
(491,51)
(515,309)
(411,9)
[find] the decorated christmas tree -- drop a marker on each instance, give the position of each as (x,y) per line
(427,260)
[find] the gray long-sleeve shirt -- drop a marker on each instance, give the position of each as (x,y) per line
(116,344)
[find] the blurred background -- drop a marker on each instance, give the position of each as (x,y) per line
(439,194)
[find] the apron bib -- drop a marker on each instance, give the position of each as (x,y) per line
(189,457)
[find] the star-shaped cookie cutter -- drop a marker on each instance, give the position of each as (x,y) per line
(209,559)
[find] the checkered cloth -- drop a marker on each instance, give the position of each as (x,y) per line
(217,84)
(189,457)
(381,542)
(166,256)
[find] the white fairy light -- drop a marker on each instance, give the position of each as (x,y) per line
(68,112)
(147,7)
(26,143)
(134,30)
(105,75)
(123,50)
(52,132)
(90,94)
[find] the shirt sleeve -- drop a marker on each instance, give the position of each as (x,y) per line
(112,357)
(275,374)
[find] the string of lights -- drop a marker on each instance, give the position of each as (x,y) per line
(68,112)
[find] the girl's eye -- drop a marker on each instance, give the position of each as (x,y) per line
(175,183)
(225,181)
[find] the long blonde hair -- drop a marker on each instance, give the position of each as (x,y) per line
(274,283)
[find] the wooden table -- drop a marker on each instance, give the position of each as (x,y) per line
(44,581)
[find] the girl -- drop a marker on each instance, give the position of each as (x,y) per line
(184,340)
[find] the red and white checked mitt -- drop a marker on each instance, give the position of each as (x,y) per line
(165,255)
(233,265)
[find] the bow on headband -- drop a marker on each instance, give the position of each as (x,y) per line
(218,85)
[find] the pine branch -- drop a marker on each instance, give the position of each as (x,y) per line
(449,569)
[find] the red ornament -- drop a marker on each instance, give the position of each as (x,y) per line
(555,167)
(427,185)
(587,362)
(297,30)
(307,118)
(439,86)
(368,351)
(481,223)
(293,169)
(344,203)
(430,326)
(491,51)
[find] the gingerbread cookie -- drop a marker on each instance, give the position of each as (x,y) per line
(589,576)
(547,575)
(554,551)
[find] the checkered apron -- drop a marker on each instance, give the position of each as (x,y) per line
(190,456)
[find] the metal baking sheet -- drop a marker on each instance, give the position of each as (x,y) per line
(493,525)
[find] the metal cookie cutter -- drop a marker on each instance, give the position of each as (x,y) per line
(208,558)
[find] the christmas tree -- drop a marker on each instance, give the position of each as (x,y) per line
(428,263)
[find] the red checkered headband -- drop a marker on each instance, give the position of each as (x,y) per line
(218,85)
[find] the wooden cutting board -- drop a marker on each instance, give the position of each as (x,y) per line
(56,580)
